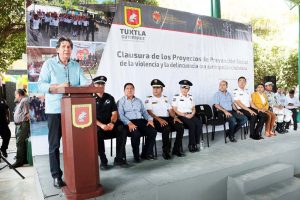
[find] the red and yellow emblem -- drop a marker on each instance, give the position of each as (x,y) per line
(82,115)
(132,16)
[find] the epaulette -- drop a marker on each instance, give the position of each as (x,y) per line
(164,95)
(149,96)
(176,95)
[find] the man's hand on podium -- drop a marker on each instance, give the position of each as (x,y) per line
(53,87)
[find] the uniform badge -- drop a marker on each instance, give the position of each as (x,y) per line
(166,101)
(181,100)
(133,17)
(82,115)
(147,101)
(154,102)
(107,101)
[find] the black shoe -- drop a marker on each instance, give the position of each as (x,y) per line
(147,157)
(137,160)
(150,157)
(178,153)
(196,148)
(191,148)
(58,183)
(105,167)
(254,138)
(119,162)
(4,153)
(16,165)
(260,137)
(166,156)
(232,139)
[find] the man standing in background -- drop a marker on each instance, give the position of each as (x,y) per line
(21,119)
(4,122)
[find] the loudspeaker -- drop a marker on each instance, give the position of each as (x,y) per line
(273,80)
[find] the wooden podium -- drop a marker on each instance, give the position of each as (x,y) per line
(80,145)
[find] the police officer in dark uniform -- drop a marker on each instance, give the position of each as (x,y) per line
(108,125)
(4,129)
(184,106)
(165,119)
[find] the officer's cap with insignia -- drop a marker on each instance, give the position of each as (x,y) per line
(157,83)
(100,80)
(185,83)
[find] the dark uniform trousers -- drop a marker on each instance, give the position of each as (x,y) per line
(5,135)
(259,119)
(166,130)
(120,132)
(22,133)
(142,130)
(294,111)
(195,129)
(54,136)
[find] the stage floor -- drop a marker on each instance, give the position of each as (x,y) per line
(202,175)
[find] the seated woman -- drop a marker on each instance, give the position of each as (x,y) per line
(184,107)
(260,100)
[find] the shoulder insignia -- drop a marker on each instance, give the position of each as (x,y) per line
(176,95)
(149,96)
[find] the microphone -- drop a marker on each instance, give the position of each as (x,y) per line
(92,83)
(68,76)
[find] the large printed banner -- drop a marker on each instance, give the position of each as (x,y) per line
(150,42)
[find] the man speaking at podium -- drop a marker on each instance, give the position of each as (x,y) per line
(58,72)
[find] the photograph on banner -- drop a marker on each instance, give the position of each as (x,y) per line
(49,20)
(88,54)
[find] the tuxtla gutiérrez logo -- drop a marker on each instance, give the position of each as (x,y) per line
(82,115)
(132,16)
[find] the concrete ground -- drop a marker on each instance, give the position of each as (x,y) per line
(13,187)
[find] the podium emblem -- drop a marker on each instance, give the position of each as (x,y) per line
(82,115)
(132,16)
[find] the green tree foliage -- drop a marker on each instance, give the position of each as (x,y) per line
(295,1)
(12,32)
(270,59)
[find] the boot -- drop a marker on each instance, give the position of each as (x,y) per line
(279,127)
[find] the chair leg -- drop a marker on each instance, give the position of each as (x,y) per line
(207,138)
(111,147)
(212,133)
(155,149)
(171,140)
(242,133)
(225,134)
